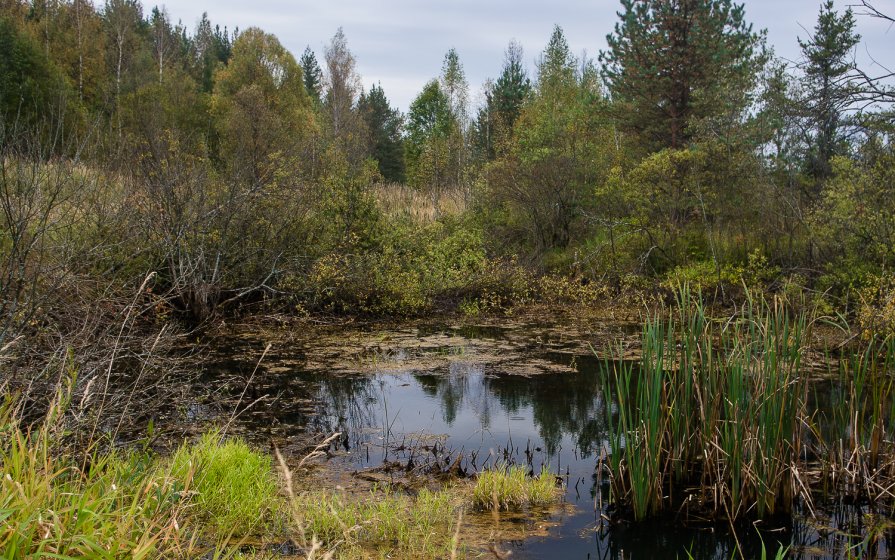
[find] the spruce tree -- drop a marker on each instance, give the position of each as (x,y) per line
(512,87)
(828,68)
(669,60)
(556,68)
(312,74)
(384,125)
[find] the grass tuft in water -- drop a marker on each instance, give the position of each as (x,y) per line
(511,488)
(390,523)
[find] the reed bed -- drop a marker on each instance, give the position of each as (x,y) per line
(857,427)
(714,420)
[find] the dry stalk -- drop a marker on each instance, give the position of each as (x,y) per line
(320,449)
(455,541)
(315,546)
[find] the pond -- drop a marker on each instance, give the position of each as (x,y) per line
(426,399)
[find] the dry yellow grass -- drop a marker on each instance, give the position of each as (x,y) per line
(422,207)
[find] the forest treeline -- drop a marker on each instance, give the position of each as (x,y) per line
(208,170)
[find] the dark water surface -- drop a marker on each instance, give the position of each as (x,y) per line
(431,397)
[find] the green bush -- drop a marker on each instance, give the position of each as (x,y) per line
(411,268)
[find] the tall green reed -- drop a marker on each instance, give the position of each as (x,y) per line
(713,411)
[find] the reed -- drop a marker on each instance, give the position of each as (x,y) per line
(711,416)
(859,455)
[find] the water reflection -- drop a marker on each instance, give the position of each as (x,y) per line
(484,415)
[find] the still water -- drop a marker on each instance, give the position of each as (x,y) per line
(425,399)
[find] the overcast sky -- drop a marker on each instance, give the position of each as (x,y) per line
(401,43)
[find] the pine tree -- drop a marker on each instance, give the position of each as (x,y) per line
(384,125)
(828,69)
(512,87)
(556,67)
(483,132)
(668,61)
(313,75)
(212,49)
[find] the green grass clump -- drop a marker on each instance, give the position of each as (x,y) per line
(53,506)
(385,522)
(235,488)
(511,488)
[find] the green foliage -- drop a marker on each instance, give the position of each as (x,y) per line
(511,488)
(857,212)
(234,486)
(558,154)
(668,61)
(512,88)
(312,75)
(829,79)
(30,85)
(431,128)
(876,310)
(262,107)
(211,49)
(755,275)
(556,68)
(385,126)
(410,267)
(454,85)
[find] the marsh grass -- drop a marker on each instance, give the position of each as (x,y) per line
(714,420)
(510,488)
(117,506)
(383,523)
(860,460)
(234,487)
(712,416)
(102,503)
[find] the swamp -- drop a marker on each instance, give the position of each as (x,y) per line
(630,305)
